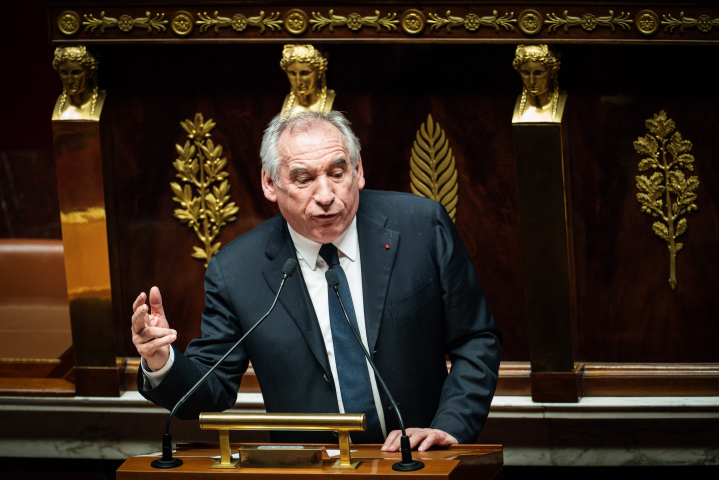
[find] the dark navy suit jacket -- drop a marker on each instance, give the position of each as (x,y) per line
(422,299)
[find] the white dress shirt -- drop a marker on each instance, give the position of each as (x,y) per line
(313,269)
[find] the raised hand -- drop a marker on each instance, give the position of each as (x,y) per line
(151,333)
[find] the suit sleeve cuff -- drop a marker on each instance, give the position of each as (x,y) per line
(155,378)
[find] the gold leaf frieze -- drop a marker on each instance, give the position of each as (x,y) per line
(667,194)
(588,21)
(472,22)
(68,22)
(296,21)
(354,21)
(433,172)
(125,22)
(704,23)
(647,22)
(200,165)
(239,22)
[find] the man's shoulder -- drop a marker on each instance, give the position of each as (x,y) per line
(254,241)
(391,202)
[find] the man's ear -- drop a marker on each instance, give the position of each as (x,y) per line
(360,174)
(268,187)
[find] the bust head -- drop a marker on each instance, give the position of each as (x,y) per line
(538,66)
(305,67)
(77,68)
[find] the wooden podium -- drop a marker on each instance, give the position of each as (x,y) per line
(460,462)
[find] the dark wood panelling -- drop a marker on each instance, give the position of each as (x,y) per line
(626,311)
(36,387)
(608,380)
(559,387)
(28,194)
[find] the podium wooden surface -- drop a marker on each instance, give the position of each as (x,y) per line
(458,462)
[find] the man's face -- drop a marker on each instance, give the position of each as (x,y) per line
(73,77)
(303,78)
(318,194)
(536,77)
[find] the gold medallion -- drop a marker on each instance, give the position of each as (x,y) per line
(413,22)
(647,22)
(68,22)
(296,22)
(182,23)
(530,22)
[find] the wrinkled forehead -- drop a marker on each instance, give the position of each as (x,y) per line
(307,136)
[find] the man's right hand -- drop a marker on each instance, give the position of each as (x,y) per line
(151,333)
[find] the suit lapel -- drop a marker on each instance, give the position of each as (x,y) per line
(377,264)
(294,298)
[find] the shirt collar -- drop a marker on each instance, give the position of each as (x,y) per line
(308,250)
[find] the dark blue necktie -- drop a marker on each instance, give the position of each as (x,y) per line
(355,385)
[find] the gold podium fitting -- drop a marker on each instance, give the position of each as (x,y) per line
(541,100)
(342,423)
(305,67)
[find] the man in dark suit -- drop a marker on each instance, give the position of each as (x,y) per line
(410,285)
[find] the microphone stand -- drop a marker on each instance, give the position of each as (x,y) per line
(167,461)
(407,464)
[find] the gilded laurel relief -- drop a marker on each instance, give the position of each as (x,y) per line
(541,100)
(200,165)
(588,21)
(126,22)
(239,22)
(472,22)
(703,22)
(81,97)
(433,171)
(667,194)
(354,21)
(306,69)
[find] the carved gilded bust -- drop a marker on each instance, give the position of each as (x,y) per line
(81,99)
(305,67)
(541,100)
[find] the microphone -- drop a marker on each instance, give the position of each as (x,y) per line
(407,464)
(167,461)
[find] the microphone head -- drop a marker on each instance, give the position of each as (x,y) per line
(290,266)
(332,278)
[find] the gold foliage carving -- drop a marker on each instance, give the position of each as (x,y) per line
(125,22)
(704,23)
(588,21)
(472,22)
(667,154)
(239,22)
(432,167)
(200,164)
(354,21)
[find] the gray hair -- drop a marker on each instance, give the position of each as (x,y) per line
(303,122)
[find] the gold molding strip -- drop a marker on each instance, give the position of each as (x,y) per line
(588,21)
(209,211)
(125,23)
(354,21)
(666,182)
(239,22)
(704,23)
(432,167)
(472,22)
(411,21)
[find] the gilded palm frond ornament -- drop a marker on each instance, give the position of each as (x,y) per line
(432,167)
(200,164)
(667,194)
